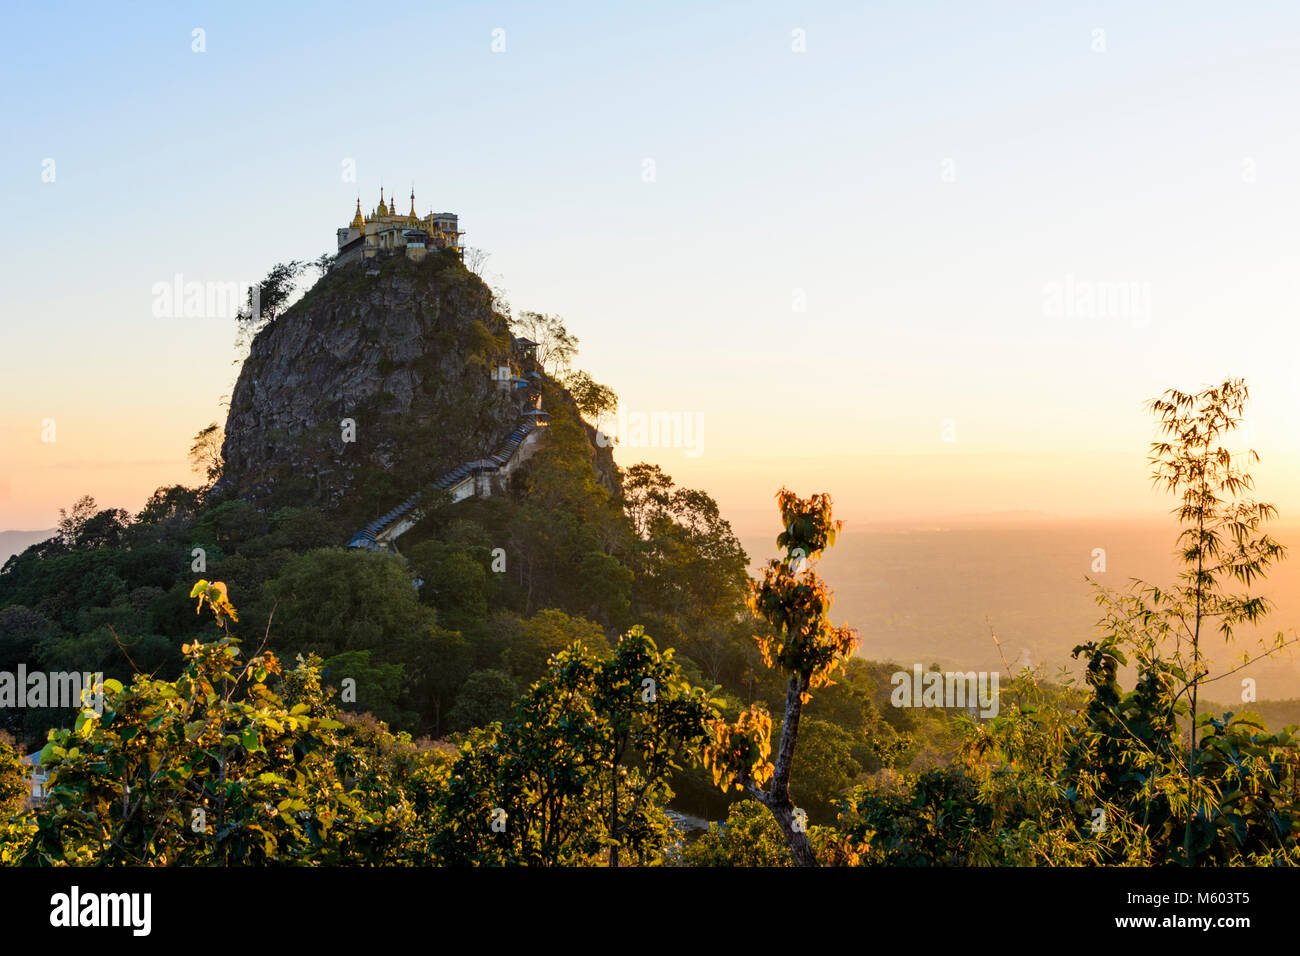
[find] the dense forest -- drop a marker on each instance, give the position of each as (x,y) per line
(554,676)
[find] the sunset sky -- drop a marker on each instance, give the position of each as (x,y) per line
(943,188)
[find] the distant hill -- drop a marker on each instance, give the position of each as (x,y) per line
(15,542)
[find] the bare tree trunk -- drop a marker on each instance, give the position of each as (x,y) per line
(801,851)
(777,800)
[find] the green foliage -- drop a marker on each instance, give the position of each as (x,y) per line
(132,786)
(604,587)
(556,346)
(593,399)
(795,602)
(379,686)
(749,837)
(231,524)
(21,631)
(214,768)
(454,581)
(269,299)
(1253,816)
(546,634)
(487,697)
(828,768)
(15,787)
(937,819)
(332,600)
(688,563)
(205,453)
(580,772)
(1136,757)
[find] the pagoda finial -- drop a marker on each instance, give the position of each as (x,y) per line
(413,216)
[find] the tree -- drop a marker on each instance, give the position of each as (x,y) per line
(439,663)
(1221,542)
(581,770)
(231,524)
(324,262)
(378,686)
(544,635)
(604,586)
(21,630)
(805,647)
(475,258)
(555,346)
(454,582)
(652,718)
(215,768)
(749,837)
(103,529)
(205,453)
(86,528)
(71,523)
(174,505)
(646,494)
(561,513)
(330,601)
(826,753)
(688,564)
(488,696)
(267,301)
(595,401)
(15,786)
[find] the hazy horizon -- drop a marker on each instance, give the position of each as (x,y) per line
(921,596)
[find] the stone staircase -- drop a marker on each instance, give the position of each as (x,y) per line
(464,481)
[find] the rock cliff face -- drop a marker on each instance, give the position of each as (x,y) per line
(401,352)
(602,459)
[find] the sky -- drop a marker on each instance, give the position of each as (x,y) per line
(931,258)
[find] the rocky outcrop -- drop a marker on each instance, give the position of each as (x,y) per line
(369,387)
